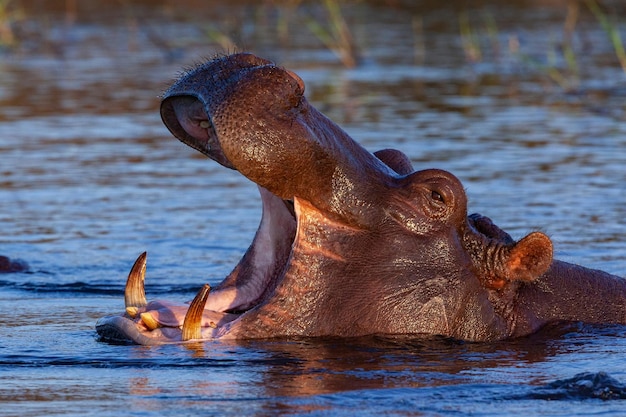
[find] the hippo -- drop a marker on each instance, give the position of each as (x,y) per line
(350,243)
(12,265)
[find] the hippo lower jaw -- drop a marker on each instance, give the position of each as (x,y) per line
(212,312)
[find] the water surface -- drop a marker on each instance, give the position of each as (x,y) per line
(90,178)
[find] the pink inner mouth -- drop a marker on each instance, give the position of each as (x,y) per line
(248,286)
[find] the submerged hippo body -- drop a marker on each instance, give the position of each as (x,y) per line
(350,243)
(12,265)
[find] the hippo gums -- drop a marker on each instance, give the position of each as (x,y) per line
(350,243)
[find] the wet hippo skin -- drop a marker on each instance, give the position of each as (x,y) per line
(350,243)
(9,265)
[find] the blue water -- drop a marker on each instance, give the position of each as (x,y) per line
(90,178)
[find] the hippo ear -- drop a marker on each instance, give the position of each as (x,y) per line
(396,160)
(529,258)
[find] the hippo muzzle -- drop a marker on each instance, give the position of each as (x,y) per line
(350,243)
(188,105)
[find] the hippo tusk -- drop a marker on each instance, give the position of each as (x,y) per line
(134,293)
(148,320)
(132,312)
(192,326)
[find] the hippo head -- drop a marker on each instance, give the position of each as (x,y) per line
(350,243)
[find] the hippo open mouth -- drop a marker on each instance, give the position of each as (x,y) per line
(188,110)
(220,91)
(350,243)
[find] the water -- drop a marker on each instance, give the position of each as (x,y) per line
(90,178)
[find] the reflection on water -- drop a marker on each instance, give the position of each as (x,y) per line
(89,178)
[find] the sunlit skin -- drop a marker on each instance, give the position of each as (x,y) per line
(350,243)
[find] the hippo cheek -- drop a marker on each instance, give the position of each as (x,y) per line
(342,279)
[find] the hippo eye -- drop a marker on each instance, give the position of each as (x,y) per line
(436,196)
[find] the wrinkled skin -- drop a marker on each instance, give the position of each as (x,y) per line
(351,243)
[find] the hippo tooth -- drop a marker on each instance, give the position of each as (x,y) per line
(149,321)
(192,326)
(134,293)
(205,124)
(132,312)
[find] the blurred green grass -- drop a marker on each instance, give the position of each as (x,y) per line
(334,25)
